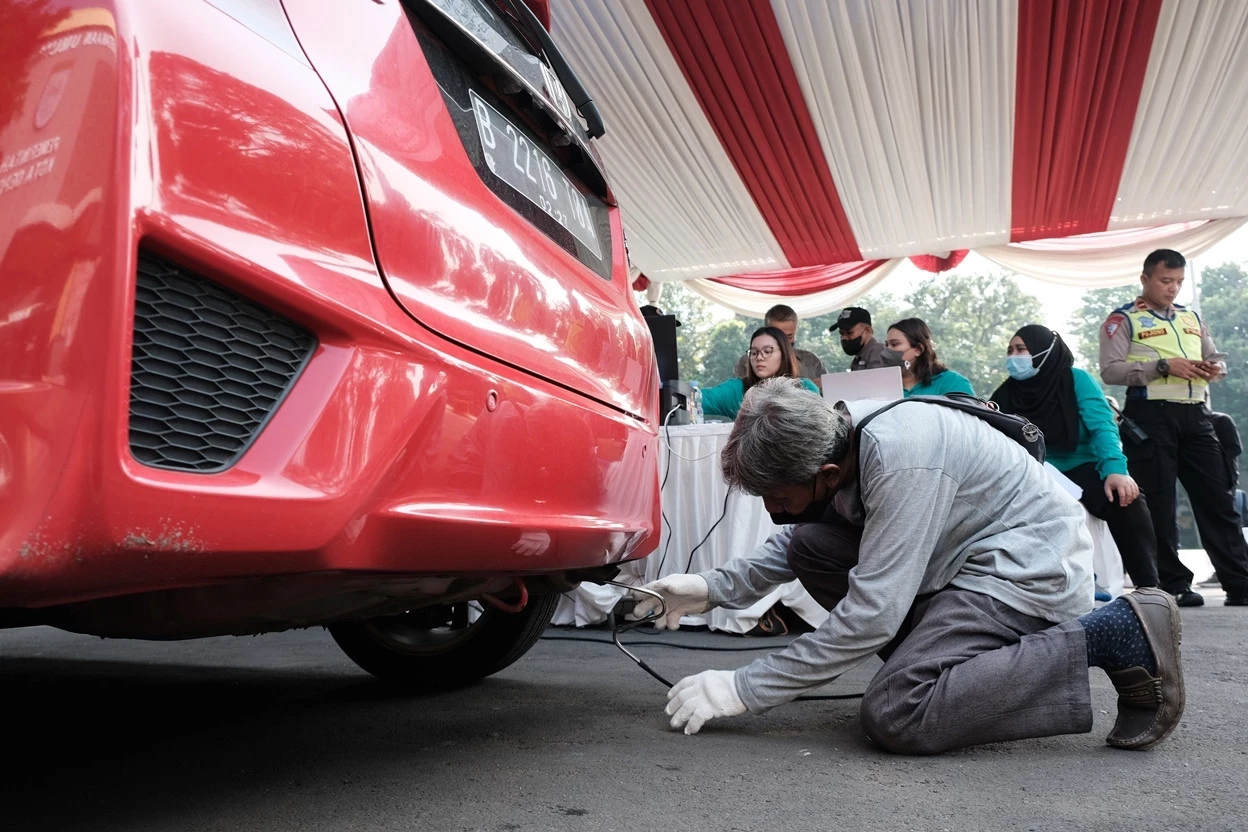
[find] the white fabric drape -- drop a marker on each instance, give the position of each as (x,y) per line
(687,212)
(755,304)
(914,105)
(1188,157)
(1111,258)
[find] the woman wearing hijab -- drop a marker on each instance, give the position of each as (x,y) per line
(771,354)
(1081,439)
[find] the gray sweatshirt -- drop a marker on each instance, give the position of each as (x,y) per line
(949,501)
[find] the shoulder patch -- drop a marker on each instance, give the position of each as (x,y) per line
(1112,324)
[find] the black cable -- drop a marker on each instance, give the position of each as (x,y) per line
(722,514)
(615,641)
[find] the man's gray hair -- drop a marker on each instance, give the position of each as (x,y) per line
(783,435)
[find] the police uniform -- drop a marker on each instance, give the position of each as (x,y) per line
(870,357)
(1137,343)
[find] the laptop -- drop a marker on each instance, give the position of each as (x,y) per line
(882,384)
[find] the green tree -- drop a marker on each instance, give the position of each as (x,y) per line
(1084,325)
(1224,309)
(972,317)
(723,347)
(697,318)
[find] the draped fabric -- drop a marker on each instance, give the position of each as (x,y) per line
(936,263)
(763,140)
(1110,258)
(686,211)
(750,302)
(1189,149)
(801,281)
(734,57)
(912,104)
(1080,70)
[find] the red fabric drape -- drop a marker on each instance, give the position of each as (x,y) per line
(802,281)
(1080,70)
(936,265)
(734,58)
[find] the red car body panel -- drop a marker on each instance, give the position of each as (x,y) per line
(453,435)
(472,265)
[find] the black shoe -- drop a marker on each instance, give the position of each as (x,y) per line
(1188,598)
(1237,598)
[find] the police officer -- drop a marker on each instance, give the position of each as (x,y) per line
(784,318)
(1165,356)
(858,338)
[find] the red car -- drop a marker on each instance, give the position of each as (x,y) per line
(311,312)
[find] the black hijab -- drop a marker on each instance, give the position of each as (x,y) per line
(1048,397)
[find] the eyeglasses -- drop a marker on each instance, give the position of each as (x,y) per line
(765,352)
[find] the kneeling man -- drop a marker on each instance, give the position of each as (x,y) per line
(940,545)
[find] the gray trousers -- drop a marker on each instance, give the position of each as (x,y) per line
(965,669)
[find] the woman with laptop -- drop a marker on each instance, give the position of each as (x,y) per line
(771,354)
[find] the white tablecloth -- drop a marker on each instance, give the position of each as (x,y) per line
(693,498)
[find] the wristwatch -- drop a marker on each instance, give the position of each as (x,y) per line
(1163,367)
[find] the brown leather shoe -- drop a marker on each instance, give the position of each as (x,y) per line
(1150,707)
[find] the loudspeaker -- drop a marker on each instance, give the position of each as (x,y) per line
(663,333)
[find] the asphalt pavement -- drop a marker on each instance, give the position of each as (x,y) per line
(282,733)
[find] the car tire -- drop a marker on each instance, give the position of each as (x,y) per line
(427,651)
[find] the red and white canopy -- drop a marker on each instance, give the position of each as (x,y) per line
(784,148)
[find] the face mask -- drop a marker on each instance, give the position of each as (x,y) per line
(853,346)
(891,358)
(1023,367)
(1020,367)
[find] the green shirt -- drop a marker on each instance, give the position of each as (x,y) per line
(943,382)
(1099,441)
(725,399)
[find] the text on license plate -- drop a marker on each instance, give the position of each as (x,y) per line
(513,158)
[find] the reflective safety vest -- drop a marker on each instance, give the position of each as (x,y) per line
(1154,337)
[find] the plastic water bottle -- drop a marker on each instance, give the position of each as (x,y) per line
(695,403)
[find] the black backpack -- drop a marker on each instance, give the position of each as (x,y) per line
(1016,427)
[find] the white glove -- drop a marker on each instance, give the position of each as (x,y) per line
(708,695)
(683,595)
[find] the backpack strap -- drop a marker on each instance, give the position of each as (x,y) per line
(1017,428)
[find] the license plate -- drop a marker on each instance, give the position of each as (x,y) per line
(513,158)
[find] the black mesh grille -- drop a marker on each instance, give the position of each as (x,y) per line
(208,369)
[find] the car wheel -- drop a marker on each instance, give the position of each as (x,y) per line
(435,648)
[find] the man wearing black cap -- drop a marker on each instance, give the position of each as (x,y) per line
(858,338)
